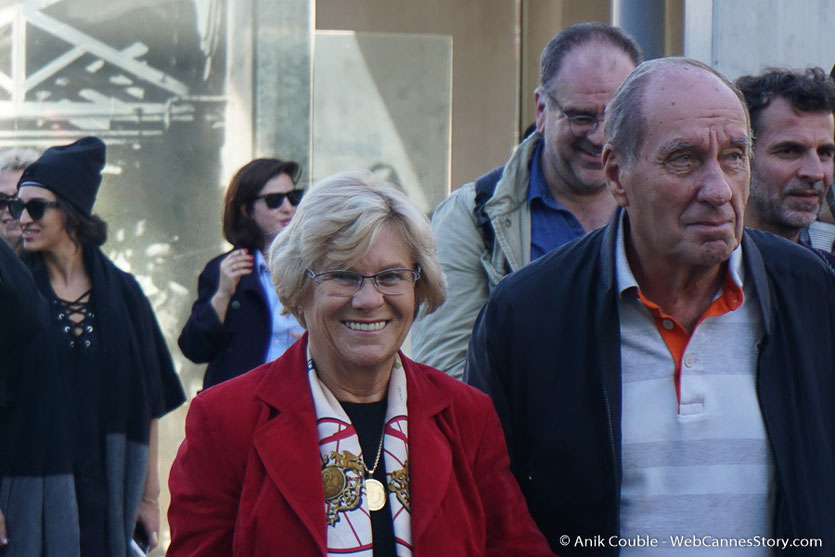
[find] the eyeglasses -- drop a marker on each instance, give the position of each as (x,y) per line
(579,124)
(5,201)
(347,283)
(275,200)
(35,207)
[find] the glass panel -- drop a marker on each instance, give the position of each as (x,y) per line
(148,78)
(372,111)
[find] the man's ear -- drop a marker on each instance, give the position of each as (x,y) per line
(613,169)
(539,97)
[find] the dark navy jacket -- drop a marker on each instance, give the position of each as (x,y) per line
(546,348)
(237,345)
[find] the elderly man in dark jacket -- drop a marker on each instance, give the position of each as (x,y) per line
(668,380)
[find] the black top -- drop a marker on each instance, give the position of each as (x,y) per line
(77,330)
(368,420)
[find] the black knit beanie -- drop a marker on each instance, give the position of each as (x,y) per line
(72,172)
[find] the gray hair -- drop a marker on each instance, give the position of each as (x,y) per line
(554,53)
(626,126)
(17,159)
(337,221)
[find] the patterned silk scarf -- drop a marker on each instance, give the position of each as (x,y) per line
(346,503)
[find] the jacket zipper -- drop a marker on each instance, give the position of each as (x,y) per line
(614,459)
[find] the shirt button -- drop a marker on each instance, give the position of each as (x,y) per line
(690,360)
(667,324)
(507,223)
(235,304)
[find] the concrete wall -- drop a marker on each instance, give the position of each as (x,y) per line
(740,37)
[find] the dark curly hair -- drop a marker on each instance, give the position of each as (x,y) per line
(239,228)
(809,90)
(82,229)
(554,53)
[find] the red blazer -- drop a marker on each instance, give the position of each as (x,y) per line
(247,479)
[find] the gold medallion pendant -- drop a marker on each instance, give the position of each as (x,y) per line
(342,474)
(376,494)
(333,479)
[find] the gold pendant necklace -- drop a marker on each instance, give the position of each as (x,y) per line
(376,494)
(374,490)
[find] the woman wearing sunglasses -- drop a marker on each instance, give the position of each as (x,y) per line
(236,322)
(112,361)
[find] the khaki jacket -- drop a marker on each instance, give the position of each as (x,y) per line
(440,339)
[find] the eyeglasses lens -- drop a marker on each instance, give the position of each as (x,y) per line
(583,125)
(35,207)
(5,201)
(348,283)
(274,200)
(295,197)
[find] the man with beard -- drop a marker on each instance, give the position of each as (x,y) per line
(12,164)
(550,192)
(794,147)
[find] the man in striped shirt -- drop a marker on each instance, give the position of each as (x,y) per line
(667,382)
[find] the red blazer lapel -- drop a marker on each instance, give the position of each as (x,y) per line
(430,456)
(288,443)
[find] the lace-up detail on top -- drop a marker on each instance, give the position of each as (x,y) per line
(76,320)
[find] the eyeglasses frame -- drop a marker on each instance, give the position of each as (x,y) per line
(24,206)
(362,278)
(285,195)
(572,120)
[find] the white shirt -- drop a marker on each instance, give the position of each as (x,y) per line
(282,325)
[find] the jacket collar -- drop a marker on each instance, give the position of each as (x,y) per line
(252,282)
(607,254)
(512,187)
(430,455)
(287,444)
(755,268)
(751,257)
(509,210)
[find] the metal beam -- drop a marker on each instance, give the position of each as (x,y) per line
(109,54)
(138,112)
(53,67)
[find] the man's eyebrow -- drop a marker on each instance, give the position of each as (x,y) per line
(742,141)
(678,145)
(787,143)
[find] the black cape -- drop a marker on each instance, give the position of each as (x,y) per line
(141,385)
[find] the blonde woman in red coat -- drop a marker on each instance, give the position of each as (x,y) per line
(344,445)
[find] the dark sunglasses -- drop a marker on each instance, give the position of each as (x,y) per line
(35,207)
(274,200)
(5,201)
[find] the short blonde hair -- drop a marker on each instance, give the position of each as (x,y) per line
(338,220)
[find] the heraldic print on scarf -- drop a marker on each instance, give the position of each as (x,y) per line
(346,503)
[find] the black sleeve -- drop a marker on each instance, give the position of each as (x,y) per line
(24,317)
(24,308)
(486,363)
(164,390)
(204,337)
